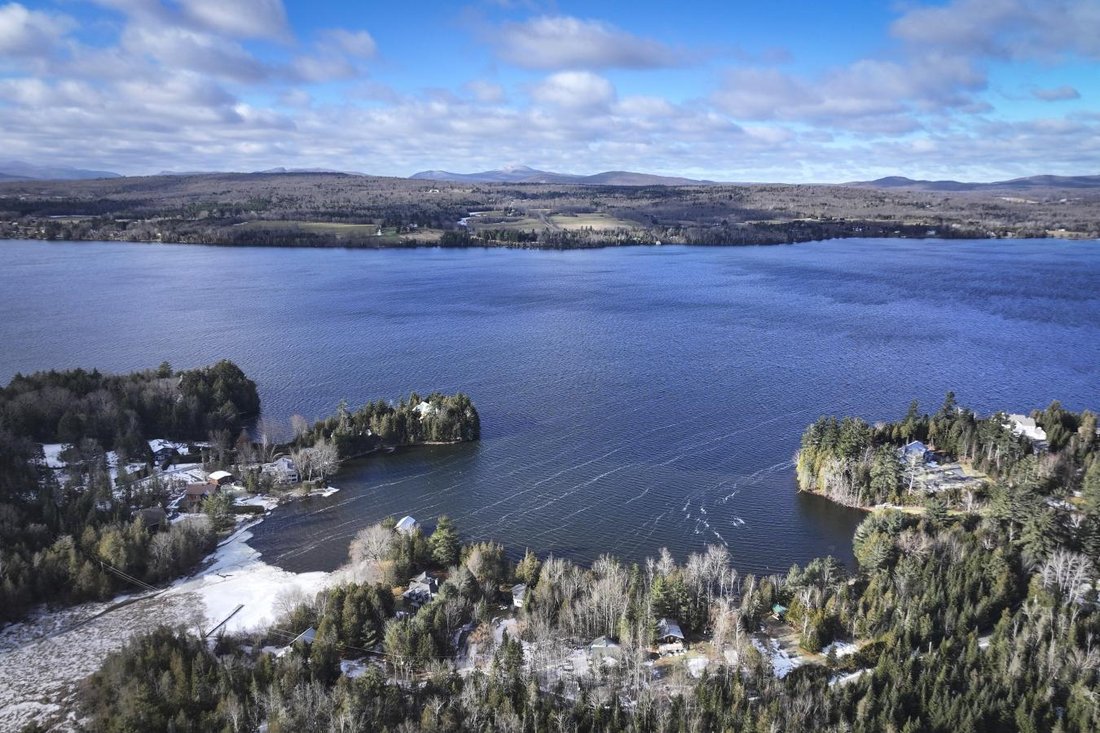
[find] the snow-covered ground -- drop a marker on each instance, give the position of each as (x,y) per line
(842,648)
(239,577)
(53,452)
(43,658)
(848,678)
(782,662)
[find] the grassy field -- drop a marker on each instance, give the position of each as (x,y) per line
(574,222)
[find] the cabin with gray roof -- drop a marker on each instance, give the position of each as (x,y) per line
(670,639)
(422,589)
(603,649)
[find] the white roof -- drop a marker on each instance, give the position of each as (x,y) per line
(407,524)
(1026,426)
(219,475)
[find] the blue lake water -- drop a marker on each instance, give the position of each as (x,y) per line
(630,398)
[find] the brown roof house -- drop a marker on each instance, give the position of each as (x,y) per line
(195,494)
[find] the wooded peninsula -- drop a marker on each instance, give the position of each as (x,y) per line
(94,466)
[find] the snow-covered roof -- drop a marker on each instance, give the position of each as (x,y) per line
(602,642)
(1027,427)
(915,447)
(518,590)
(220,475)
(307,636)
(407,524)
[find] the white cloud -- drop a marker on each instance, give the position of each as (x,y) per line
(564,42)
(30,33)
(574,90)
(1014,29)
(241,18)
(1056,94)
(185,49)
(353,43)
(485,91)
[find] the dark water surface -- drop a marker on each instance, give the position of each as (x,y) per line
(630,398)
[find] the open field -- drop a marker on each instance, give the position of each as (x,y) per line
(323,209)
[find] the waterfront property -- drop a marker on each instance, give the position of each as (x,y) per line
(421,590)
(407,525)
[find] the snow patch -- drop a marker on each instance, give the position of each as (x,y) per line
(782,662)
(840,648)
(53,452)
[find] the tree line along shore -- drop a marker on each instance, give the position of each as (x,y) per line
(977,612)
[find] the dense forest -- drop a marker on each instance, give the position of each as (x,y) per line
(69,536)
(960,627)
(437,418)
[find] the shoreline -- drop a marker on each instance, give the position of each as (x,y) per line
(44,657)
(422,245)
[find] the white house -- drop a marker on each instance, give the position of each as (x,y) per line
(519,592)
(283,470)
(407,525)
(1027,427)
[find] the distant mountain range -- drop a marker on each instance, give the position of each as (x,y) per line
(15,170)
(524,174)
(1015,184)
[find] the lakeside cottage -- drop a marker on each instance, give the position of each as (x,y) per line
(421,590)
(283,470)
(407,525)
(306,637)
(670,639)
(1027,427)
(519,592)
(914,452)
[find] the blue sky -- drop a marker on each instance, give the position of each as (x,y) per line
(741,91)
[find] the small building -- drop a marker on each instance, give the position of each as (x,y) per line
(603,649)
(220,478)
(914,452)
(283,470)
(670,639)
(421,590)
(668,631)
(1027,427)
(165,457)
(407,525)
(306,637)
(779,612)
(519,593)
(195,494)
(154,518)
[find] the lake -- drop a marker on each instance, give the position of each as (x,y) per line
(630,398)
